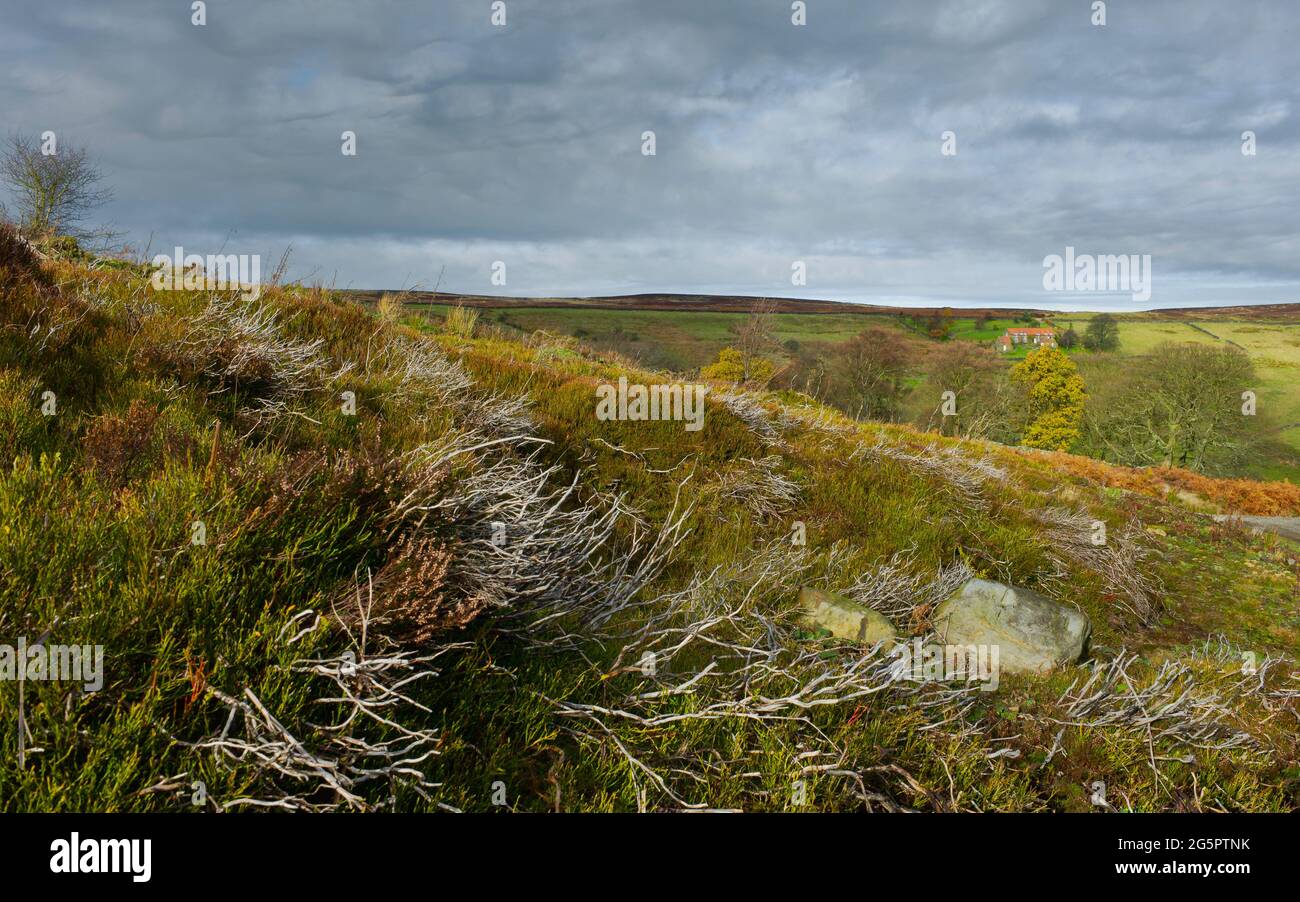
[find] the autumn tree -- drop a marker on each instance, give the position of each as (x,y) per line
(939,324)
(986,404)
(755,341)
(809,370)
(733,366)
(869,373)
(1055,397)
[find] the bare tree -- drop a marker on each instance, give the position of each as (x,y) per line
(755,335)
(871,370)
(987,404)
(54,188)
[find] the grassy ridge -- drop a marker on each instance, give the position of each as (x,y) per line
(177,407)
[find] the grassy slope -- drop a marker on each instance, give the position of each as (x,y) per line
(96,510)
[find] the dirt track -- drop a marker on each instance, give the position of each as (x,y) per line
(1287,527)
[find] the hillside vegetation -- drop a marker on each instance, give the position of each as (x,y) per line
(342,561)
(813,350)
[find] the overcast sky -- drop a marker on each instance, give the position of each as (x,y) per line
(775,143)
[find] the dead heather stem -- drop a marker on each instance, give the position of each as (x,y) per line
(364,739)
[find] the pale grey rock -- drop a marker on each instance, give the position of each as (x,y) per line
(1033,633)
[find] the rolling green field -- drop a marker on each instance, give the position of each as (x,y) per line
(669,339)
(686,340)
(970,330)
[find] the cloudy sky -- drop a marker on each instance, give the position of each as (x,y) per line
(774,143)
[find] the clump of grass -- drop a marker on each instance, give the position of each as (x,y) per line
(414,600)
(461,321)
(389,307)
(23,428)
(49,330)
(20,262)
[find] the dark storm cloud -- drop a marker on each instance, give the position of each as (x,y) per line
(775,143)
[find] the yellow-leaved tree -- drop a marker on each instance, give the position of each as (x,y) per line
(1056,397)
(733,365)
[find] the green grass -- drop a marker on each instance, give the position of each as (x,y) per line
(967,329)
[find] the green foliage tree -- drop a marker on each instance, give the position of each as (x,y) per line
(1180,406)
(1102,333)
(1068,339)
(1055,394)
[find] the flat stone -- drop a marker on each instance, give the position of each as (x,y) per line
(1033,633)
(844,618)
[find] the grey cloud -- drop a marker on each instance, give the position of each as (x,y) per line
(775,143)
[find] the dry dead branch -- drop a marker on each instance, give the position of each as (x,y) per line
(721,649)
(1120,561)
(760,486)
(363,739)
(1173,705)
